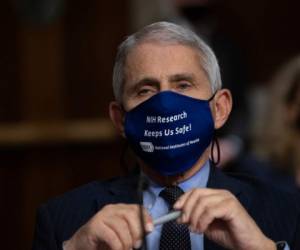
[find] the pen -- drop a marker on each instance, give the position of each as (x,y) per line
(173,215)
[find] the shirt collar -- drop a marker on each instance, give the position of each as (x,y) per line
(198,180)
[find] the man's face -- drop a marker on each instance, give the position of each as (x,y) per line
(153,67)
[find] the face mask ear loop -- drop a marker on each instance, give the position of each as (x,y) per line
(215,142)
(213,96)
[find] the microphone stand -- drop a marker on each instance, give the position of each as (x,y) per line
(142,186)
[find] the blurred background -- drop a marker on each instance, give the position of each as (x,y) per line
(56,59)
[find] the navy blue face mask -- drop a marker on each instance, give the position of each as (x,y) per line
(170,131)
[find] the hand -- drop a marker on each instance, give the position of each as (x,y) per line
(221,217)
(113,227)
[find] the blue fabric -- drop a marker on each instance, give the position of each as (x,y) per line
(157,206)
(170,131)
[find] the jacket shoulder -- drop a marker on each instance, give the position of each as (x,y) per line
(275,210)
(61,216)
(262,190)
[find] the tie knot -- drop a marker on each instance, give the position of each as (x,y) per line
(171,194)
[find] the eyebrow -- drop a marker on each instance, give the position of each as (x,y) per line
(146,81)
(151,81)
(182,76)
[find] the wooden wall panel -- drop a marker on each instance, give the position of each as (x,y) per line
(9,65)
(54,93)
(41,52)
(93,32)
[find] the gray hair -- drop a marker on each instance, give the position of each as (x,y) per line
(167,33)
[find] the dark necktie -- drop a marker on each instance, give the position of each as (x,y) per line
(173,235)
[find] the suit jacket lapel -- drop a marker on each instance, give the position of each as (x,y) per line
(123,190)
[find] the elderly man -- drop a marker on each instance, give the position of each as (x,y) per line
(169,102)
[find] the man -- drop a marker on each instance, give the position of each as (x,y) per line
(168,103)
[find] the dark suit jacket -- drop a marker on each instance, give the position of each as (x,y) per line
(276,212)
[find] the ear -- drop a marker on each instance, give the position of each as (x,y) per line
(222,105)
(117,115)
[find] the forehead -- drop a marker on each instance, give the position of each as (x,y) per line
(150,49)
(160,59)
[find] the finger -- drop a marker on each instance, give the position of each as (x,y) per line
(211,214)
(191,200)
(202,204)
(182,199)
(187,208)
(120,227)
(201,191)
(110,237)
(133,219)
(148,221)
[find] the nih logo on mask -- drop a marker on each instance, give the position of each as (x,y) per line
(147,146)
